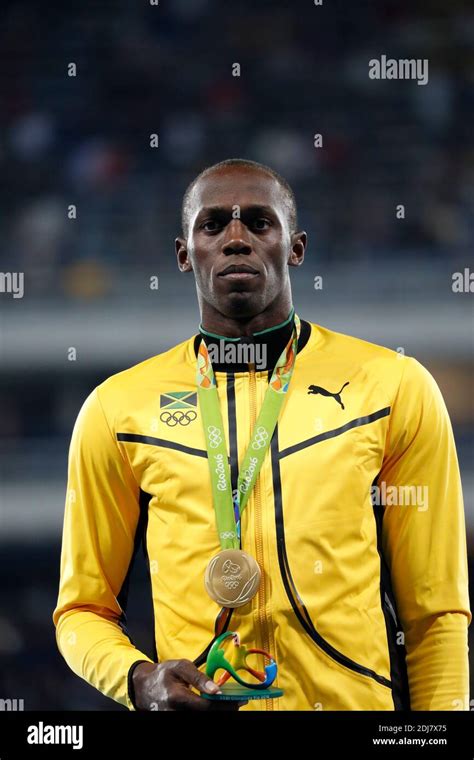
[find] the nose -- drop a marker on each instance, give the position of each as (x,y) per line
(235,239)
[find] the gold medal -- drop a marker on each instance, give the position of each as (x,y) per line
(232,578)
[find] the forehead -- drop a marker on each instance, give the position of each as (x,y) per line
(237,186)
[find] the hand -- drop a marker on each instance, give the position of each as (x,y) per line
(165,686)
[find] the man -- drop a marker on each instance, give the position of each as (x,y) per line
(348,506)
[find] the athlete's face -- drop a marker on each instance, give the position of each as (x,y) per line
(239,244)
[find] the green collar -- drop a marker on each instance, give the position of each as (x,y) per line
(259,332)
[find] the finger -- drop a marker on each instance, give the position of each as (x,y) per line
(188,673)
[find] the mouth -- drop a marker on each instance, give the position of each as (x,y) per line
(238,272)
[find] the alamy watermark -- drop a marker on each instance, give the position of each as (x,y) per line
(401,68)
(12,705)
(12,282)
(224,352)
(400,496)
(42,733)
(463,282)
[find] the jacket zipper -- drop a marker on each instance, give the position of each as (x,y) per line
(261,612)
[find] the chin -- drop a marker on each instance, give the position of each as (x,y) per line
(240,304)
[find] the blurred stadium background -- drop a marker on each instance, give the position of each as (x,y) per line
(143,69)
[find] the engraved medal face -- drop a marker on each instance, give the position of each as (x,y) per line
(232,578)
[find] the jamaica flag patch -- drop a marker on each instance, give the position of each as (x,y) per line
(178,400)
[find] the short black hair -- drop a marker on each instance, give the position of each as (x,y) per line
(289,194)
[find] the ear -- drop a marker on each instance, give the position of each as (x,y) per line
(298,247)
(184,263)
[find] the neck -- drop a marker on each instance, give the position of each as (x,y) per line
(219,325)
(262,349)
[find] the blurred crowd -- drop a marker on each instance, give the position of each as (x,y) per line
(31,668)
(143,69)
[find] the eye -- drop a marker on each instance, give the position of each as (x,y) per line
(210,226)
(261,223)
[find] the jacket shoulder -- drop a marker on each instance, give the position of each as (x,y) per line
(341,344)
(383,365)
(146,373)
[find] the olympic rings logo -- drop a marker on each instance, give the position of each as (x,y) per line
(261,437)
(230,583)
(228,534)
(215,438)
(178,418)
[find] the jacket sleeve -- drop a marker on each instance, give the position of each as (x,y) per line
(425,543)
(100,522)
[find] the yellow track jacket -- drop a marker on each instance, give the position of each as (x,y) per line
(356,521)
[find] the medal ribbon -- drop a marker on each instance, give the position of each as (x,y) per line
(229,507)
